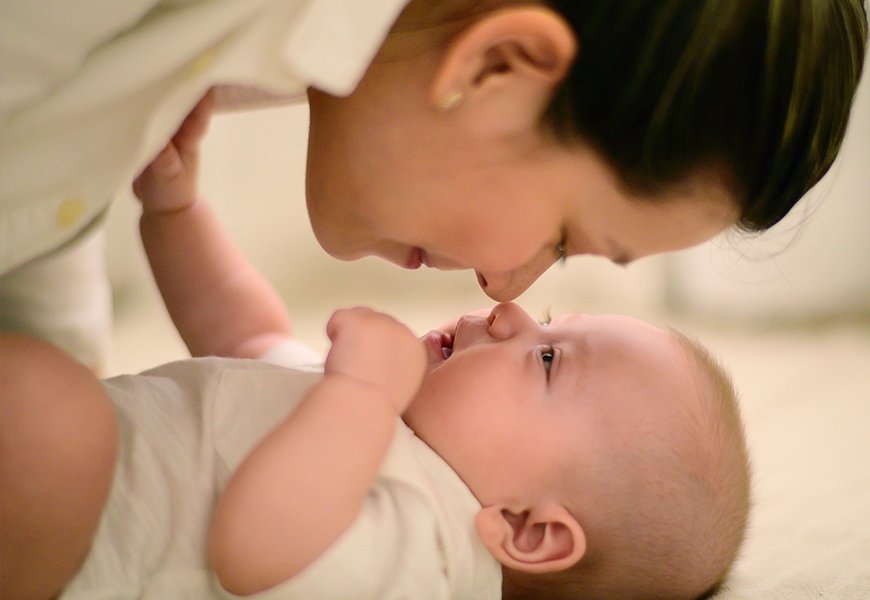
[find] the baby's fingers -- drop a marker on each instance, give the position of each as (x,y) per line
(193,128)
(166,184)
(169,183)
(376,350)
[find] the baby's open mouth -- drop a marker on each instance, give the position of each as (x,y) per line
(439,346)
(446,341)
(447,346)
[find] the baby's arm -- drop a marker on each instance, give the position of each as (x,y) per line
(219,302)
(304,484)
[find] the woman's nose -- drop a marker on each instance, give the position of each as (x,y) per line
(506,286)
(507,319)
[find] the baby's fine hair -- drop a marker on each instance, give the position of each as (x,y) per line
(759,91)
(678,508)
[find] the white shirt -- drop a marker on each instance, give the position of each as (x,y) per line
(91,90)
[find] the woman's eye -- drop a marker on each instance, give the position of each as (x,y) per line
(561,251)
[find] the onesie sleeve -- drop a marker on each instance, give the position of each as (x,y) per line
(389,552)
(293,353)
(394,550)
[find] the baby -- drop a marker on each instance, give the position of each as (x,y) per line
(593,457)
(496,457)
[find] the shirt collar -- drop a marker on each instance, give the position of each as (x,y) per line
(334,41)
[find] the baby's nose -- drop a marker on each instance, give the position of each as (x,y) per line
(507,320)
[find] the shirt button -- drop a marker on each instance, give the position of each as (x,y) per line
(69,212)
(201,63)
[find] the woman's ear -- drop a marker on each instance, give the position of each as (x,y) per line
(543,539)
(502,70)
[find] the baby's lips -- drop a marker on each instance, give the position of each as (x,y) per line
(438,345)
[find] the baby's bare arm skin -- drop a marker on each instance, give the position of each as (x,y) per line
(219,302)
(304,484)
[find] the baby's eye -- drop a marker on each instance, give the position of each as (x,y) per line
(547,356)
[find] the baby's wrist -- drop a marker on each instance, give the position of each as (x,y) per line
(376,393)
(169,209)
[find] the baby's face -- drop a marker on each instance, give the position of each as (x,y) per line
(515,401)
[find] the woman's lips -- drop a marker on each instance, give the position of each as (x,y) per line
(425,258)
(415,259)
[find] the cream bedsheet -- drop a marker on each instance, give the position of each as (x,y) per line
(806,404)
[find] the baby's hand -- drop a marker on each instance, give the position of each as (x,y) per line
(377,351)
(169,183)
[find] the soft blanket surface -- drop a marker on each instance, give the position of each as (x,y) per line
(807,411)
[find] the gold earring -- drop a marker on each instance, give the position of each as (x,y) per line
(451,100)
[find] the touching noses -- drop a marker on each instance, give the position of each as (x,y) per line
(506,320)
(506,286)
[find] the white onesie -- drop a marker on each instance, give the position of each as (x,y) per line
(185,426)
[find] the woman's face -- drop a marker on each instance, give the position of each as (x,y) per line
(392,176)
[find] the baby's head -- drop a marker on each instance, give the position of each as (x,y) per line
(608,454)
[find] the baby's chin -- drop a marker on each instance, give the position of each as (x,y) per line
(410,415)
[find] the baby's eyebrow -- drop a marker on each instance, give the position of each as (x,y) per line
(547,318)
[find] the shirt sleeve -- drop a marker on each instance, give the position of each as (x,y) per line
(43,44)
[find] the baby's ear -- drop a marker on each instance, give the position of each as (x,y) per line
(542,539)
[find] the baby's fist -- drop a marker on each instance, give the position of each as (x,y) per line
(169,183)
(377,351)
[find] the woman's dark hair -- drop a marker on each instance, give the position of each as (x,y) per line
(760,88)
